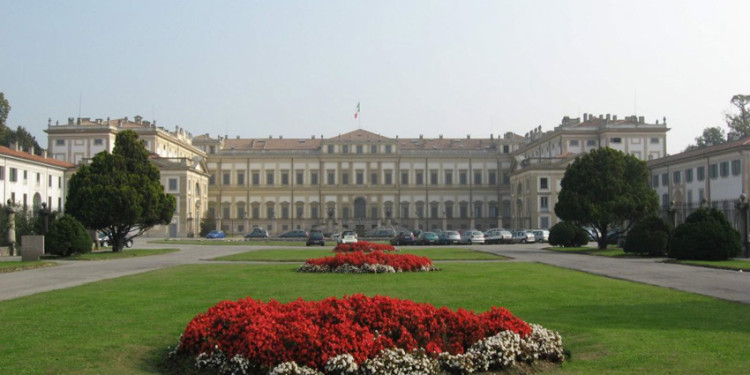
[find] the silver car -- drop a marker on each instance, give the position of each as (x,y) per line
(495,236)
(541,235)
(472,237)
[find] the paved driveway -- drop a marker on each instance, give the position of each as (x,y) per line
(723,284)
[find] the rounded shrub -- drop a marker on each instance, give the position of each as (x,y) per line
(567,234)
(705,235)
(67,236)
(648,236)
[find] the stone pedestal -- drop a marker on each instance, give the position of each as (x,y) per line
(32,248)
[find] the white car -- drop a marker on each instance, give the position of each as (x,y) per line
(472,237)
(541,235)
(495,236)
(523,236)
(347,236)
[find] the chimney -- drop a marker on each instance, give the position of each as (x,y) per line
(614,117)
(492,136)
(421,136)
(14,146)
(44,153)
(585,117)
(608,117)
(641,120)
(468,136)
(440,136)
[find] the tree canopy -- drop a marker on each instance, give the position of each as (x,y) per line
(21,135)
(711,136)
(739,123)
(120,193)
(605,188)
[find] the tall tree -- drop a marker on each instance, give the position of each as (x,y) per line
(8,136)
(606,188)
(4,109)
(739,123)
(120,193)
(711,136)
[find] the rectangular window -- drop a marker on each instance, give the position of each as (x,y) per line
(701,173)
(478,210)
(664,179)
(689,175)
(665,200)
(677,177)
(506,149)
(655,181)
(256,178)
(463,178)
(345,178)
(172,184)
(256,212)
(300,178)
(373,149)
(59,182)
(345,149)
(2,174)
(270,213)
(225,212)
(420,178)
(449,177)
(615,140)
(434,212)
(404,178)
(25,175)
(285,178)
(38,178)
(269,178)
(360,176)
(226,178)
(59,142)
(493,177)
(388,149)
(360,149)
(373,178)
(654,140)
(345,213)
(544,203)
(388,178)
(573,143)
(212,179)
(314,212)
(591,143)
(701,195)
(373,213)
(713,171)
(543,183)
(300,212)
(331,178)
(506,179)
(724,168)
(736,169)
(284,212)
(240,212)
(314,178)
(240,178)
(477,177)
(98,142)
(330,149)
(433,178)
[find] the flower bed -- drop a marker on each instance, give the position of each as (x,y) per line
(360,335)
(368,262)
(363,246)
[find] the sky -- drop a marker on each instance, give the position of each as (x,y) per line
(298,68)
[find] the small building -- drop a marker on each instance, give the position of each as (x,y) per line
(28,180)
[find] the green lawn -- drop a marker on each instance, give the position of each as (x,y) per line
(124,325)
(126,253)
(299,255)
(13,266)
(734,264)
(611,251)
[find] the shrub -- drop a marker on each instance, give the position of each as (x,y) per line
(567,234)
(67,236)
(648,236)
(705,235)
(368,262)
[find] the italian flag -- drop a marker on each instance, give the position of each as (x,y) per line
(356,113)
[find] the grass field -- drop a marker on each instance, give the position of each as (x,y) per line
(732,264)
(610,251)
(124,325)
(126,253)
(299,255)
(13,266)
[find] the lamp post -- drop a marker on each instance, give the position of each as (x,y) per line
(743,206)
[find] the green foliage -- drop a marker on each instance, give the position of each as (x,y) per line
(739,124)
(648,236)
(705,235)
(567,234)
(4,109)
(67,236)
(120,193)
(711,136)
(208,223)
(605,188)
(21,135)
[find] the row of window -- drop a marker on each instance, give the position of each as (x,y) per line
(358,149)
(37,202)
(614,140)
(449,211)
(97,142)
(715,171)
(13,177)
(359,178)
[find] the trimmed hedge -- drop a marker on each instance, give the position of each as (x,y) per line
(67,236)
(705,235)
(567,234)
(648,236)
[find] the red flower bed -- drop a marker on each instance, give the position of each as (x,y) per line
(309,333)
(362,246)
(399,262)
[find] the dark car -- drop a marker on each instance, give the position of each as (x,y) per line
(257,233)
(297,233)
(216,234)
(403,238)
(427,238)
(316,238)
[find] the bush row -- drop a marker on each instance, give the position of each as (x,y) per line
(375,262)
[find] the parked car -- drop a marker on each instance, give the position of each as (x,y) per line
(297,233)
(215,234)
(257,233)
(541,235)
(449,237)
(427,238)
(335,237)
(104,240)
(522,236)
(497,236)
(348,236)
(403,238)
(381,233)
(316,237)
(472,237)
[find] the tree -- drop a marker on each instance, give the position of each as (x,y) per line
(739,124)
(22,136)
(606,188)
(120,193)
(4,109)
(711,136)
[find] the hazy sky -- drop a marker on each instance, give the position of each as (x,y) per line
(298,68)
